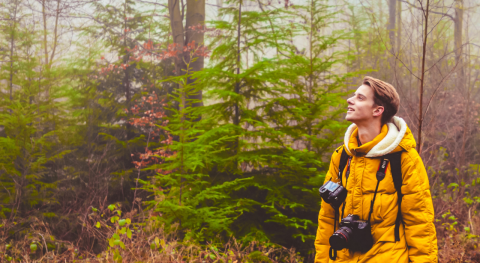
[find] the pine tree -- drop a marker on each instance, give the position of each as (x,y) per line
(32,124)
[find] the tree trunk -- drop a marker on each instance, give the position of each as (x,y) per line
(392,7)
(126,79)
(178,35)
(55,34)
(195,19)
(11,67)
(236,121)
(458,42)
(422,79)
(45,31)
(12,40)
(45,43)
(399,26)
(458,32)
(176,24)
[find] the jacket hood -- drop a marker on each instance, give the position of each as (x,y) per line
(394,136)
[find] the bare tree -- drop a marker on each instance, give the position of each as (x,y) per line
(426,12)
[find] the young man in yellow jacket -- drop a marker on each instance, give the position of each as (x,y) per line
(376,132)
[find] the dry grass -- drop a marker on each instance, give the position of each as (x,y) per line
(149,243)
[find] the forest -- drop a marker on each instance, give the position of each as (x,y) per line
(200,131)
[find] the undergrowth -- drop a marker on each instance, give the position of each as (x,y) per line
(121,240)
(115,235)
(456,199)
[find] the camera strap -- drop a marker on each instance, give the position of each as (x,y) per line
(347,173)
(396,166)
(332,253)
(395,161)
(382,170)
(345,160)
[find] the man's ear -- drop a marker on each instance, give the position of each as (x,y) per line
(378,111)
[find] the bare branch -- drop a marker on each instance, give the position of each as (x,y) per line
(153,3)
(421,9)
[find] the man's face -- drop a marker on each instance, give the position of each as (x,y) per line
(361,106)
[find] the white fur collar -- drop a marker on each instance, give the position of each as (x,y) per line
(396,131)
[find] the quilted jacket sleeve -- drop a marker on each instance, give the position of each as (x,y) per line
(326,216)
(417,210)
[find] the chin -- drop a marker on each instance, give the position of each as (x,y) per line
(350,118)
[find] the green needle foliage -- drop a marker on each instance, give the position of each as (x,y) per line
(32,138)
(183,193)
(243,172)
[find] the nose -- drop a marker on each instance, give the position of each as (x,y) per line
(350,101)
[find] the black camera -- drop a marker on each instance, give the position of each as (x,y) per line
(354,234)
(333,194)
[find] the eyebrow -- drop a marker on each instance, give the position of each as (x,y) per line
(359,94)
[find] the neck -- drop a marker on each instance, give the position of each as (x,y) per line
(368,131)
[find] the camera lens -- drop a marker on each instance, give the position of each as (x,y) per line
(339,240)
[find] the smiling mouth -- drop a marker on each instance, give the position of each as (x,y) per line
(350,110)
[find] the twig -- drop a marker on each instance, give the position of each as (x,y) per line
(140,168)
(44,242)
(421,9)
(470,220)
(438,87)
(153,3)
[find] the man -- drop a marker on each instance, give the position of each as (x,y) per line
(374,133)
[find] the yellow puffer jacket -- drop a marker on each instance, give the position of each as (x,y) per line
(418,240)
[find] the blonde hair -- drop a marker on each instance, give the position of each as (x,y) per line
(385,96)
